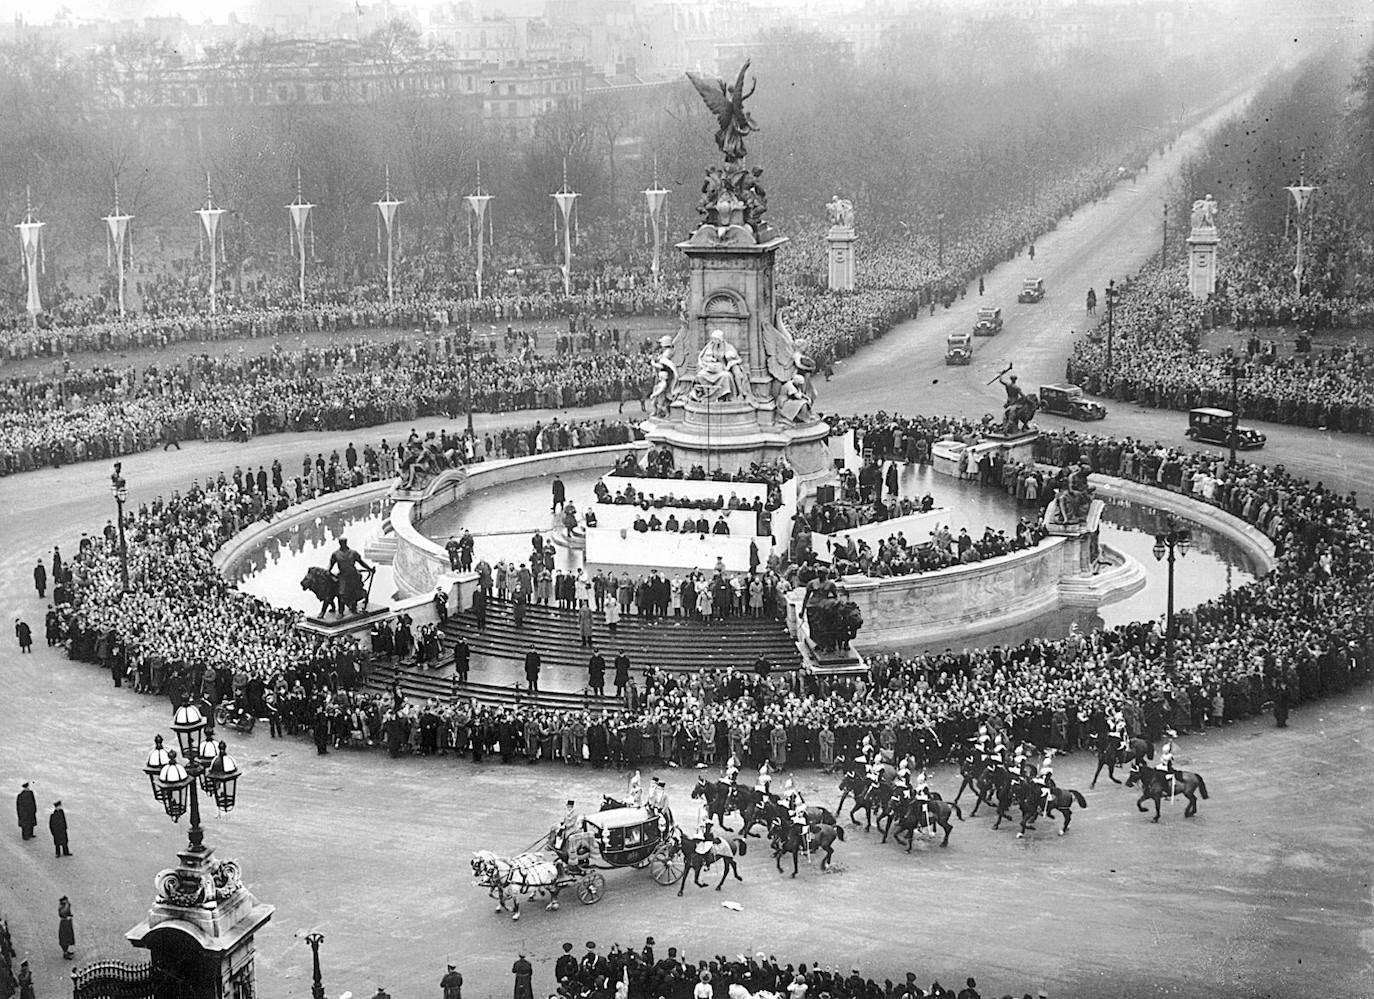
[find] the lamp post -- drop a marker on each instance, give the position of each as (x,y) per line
(314,940)
(1164,243)
(1235,373)
(119,489)
(1173,543)
(1111,301)
(467,362)
(204,765)
(940,239)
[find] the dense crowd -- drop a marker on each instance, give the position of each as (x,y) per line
(1157,327)
(108,412)
(1303,628)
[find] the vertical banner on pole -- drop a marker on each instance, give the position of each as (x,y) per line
(1302,194)
(300,216)
(653,199)
(118,224)
(387,209)
(209,222)
(30,241)
(566,197)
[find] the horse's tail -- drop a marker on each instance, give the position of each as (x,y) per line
(839,831)
(1202,787)
(958,812)
(1078,797)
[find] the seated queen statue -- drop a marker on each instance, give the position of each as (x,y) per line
(720,373)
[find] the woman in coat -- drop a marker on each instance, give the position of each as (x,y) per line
(66,932)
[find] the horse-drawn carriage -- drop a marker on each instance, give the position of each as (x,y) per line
(606,840)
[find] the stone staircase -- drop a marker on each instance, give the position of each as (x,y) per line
(680,644)
(420,684)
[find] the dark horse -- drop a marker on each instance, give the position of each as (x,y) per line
(866,798)
(722,798)
(725,849)
(787,838)
(916,814)
(1062,799)
(775,811)
(1156,784)
(977,777)
(1111,756)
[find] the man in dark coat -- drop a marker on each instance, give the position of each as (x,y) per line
(452,982)
(24,634)
(524,978)
(66,932)
(533,662)
(565,968)
(40,579)
(57,825)
(27,808)
(622,673)
(596,673)
(462,659)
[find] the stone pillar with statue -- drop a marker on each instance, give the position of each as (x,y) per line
(733,388)
(840,242)
(1202,249)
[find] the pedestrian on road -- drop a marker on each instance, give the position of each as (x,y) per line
(559,494)
(24,633)
(524,978)
(980,286)
(1280,706)
(27,808)
(40,579)
(57,825)
(452,984)
(66,932)
(25,981)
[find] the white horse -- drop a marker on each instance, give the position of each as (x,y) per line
(533,875)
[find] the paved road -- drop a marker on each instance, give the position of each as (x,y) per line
(1266,893)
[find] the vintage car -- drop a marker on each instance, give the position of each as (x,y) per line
(1214,427)
(1032,290)
(1068,400)
(989,322)
(958,348)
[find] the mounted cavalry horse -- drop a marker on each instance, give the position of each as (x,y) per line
(786,837)
(868,797)
(916,814)
(722,798)
(1156,784)
(1061,799)
(697,859)
(1111,755)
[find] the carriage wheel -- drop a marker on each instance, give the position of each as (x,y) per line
(591,888)
(667,864)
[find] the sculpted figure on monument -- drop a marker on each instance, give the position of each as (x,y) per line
(727,104)
(665,381)
(720,372)
(1019,408)
(841,212)
(1205,213)
(1072,502)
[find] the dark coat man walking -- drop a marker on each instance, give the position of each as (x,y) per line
(57,825)
(452,983)
(524,978)
(40,579)
(27,808)
(66,932)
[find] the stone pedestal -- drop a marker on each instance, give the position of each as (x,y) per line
(1202,262)
(199,932)
(840,242)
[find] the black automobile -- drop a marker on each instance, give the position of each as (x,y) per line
(1068,400)
(1213,426)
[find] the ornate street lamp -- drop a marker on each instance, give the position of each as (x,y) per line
(1174,543)
(317,987)
(1111,302)
(119,489)
(207,766)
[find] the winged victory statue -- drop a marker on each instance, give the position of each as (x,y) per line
(727,104)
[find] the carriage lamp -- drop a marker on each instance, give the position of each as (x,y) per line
(189,725)
(224,778)
(174,781)
(157,759)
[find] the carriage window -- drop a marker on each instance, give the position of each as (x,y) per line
(634,836)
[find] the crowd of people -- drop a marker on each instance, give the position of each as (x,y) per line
(1302,631)
(1157,327)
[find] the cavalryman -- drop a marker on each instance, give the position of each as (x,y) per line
(1123,738)
(922,794)
(1166,757)
(997,755)
(765,781)
(1045,778)
(1018,759)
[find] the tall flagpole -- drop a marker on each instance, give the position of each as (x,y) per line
(118,224)
(566,197)
(30,240)
(209,221)
(387,207)
(478,201)
(300,215)
(654,198)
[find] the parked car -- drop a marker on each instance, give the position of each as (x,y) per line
(1068,400)
(989,322)
(1032,290)
(1213,426)
(958,348)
